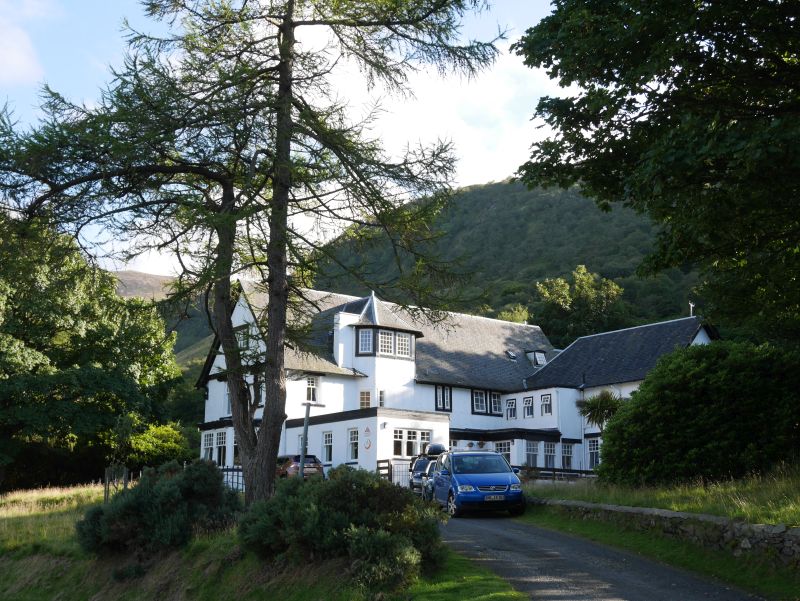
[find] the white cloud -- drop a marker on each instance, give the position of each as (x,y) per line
(19,64)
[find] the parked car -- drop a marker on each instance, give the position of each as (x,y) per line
(469,480)
(289,466)
(427,482)
(420,463)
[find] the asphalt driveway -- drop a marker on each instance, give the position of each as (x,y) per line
(551,566)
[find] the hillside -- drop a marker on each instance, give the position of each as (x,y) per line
(508,238)
(143,285)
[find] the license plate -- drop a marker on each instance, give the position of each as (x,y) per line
(495,498)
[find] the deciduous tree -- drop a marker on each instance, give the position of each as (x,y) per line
(689,112)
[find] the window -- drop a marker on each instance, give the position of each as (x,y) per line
(364,399)
(547,404)
(511,409)
(385,342)
(403,342)
(550,454)
(453,444)
(299,443)
(352,446)
(221,448)
(496,405)
(208,446)
(381,398)
(237,460)
(327,447)
(531,452)
(365,342)
(478,401)
(408,443)
(539,358)
(242,338)
(566,456)
(594,453)
(527,407)
(444,396)
(311,390)
(424,440)
(227,399)
(504,448)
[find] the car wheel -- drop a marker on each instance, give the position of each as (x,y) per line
(452,508)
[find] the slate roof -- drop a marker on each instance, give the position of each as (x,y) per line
(614,357)
(460,350)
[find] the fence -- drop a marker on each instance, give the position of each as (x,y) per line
(397,472)
(556,473)
(233,477)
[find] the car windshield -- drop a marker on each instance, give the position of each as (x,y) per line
(479,464)
(419,464)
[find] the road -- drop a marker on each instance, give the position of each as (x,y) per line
(551,566)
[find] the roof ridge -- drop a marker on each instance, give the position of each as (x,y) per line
(644,325)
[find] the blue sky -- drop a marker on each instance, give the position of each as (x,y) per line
(70,44)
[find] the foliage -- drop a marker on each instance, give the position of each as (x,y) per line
(516,313)
(213,134)
(504,224)
(73,357)
(686,112)
(587,305)
(158,444)
(600,408)
(164,510)
(711,411)
(387,529)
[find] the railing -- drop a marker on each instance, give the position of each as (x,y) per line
(397,472)
(233,478)
(556,473)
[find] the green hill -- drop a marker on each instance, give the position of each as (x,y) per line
(508,238)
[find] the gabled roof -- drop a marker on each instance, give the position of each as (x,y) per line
(460,350)
(614,357)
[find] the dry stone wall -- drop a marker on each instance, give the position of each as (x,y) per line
(776,544)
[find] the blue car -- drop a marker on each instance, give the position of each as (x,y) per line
(464,480)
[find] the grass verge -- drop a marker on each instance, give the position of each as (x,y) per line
(40,559)
(759,499)
(778,584)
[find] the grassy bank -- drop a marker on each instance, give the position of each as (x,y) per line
(768,499)
(778,584)
(40,559)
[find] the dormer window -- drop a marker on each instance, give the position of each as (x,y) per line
(539,358)
(365,342)
(403,342)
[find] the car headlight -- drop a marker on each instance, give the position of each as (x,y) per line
(466,488)
(516,487)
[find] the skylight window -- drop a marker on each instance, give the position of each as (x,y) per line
(511,355)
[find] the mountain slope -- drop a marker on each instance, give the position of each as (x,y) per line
(508,238)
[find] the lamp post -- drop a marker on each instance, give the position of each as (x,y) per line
(304,441)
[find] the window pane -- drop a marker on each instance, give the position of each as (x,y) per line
(386,342)
(365,341)
(403,345)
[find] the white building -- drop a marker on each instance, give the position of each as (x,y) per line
(392,382)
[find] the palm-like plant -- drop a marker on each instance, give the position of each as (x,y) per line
(600,408)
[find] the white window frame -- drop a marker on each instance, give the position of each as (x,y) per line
(366,342)
(504,448)
(511,409)
(228,408)
(385,342)
(208,446)
(495,404)
(327,447)
(364,399)
(594,453)
(566,455)
(444,395)
(547,404)
(352,444)
(311,389)
(410,441)
(539,358)
(221,445)
(402,343)
(550,455)
(381,398)
(479,401)
(532,453)
(527,407)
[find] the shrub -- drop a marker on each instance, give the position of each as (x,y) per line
(350,514)
(162,511)
(712,412)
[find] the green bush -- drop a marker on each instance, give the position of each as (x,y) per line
(163,510)
(347,515)
(712,412)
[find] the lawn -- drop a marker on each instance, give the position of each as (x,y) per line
(770,499)
(40,559)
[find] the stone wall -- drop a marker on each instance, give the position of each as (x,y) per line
(776,544)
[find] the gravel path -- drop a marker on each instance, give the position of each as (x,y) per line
(551,566)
